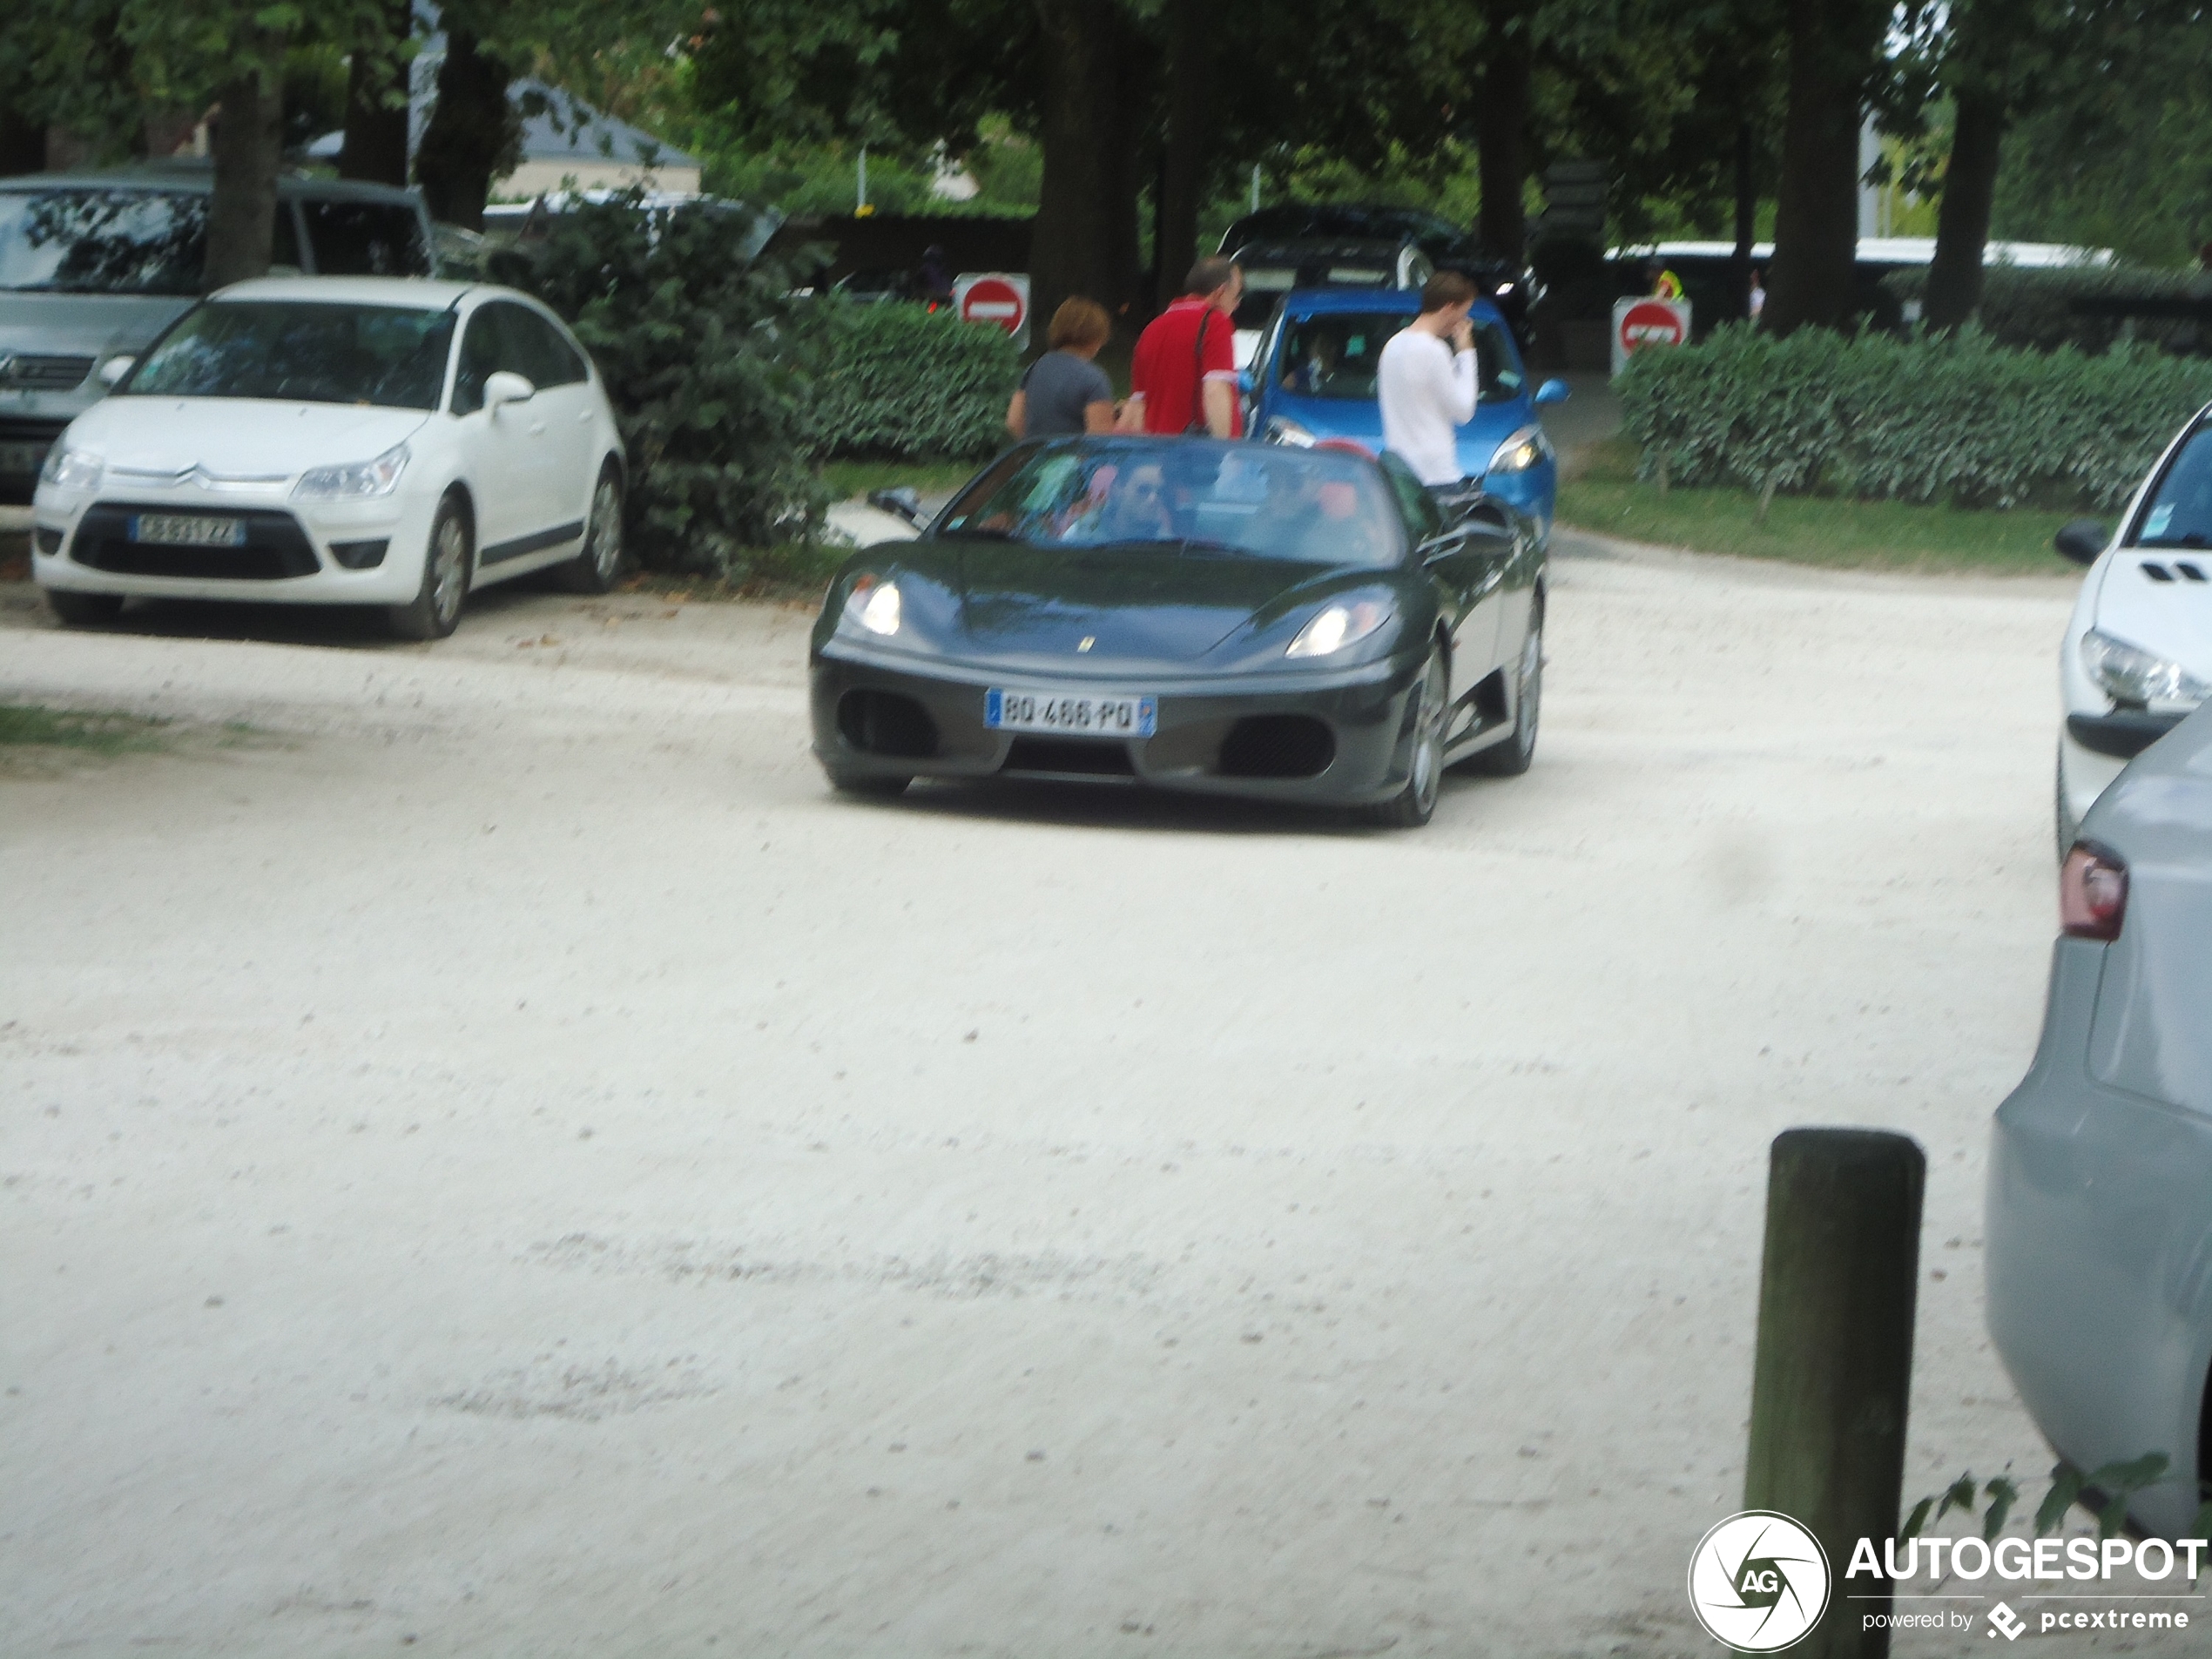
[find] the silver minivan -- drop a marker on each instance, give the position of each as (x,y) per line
(93,265)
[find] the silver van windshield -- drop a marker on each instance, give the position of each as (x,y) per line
(102,241)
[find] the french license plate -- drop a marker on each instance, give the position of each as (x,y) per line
(19,458)
(1070,714)
(188,530)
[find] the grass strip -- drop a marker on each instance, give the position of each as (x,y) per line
(28,725)
(1601,493)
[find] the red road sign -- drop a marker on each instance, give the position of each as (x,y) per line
(1653,322)
(993,300)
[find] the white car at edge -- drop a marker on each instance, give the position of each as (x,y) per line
(370,440)
(2138,651)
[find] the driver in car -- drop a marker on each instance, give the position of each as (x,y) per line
(1135,508)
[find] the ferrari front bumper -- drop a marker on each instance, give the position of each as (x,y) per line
(1341,737)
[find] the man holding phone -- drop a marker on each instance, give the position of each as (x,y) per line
(1426,380)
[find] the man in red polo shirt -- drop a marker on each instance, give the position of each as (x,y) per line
(1183,376)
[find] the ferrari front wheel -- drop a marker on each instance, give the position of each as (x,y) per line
(1413,805)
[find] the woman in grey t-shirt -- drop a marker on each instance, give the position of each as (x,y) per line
(1065,394)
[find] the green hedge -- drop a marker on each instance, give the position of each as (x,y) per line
(1961,421)
(2031,308)
(900,381)
(704,355)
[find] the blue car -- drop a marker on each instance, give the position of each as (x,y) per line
(1313,378)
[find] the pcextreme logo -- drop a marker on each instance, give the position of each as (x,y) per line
(1759,1582)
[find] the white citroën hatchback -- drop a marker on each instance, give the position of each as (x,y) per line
(378,441)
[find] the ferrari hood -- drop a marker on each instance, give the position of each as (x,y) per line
(1139,605)
(236,437)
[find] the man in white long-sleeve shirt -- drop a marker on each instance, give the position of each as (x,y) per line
(1426,380)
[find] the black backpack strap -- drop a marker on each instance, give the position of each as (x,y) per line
(1198,374)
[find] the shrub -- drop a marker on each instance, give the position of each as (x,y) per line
(709,365)
(902,380)
(1958,420)
(2031,306)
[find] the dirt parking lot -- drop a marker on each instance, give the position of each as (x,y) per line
(498,1159)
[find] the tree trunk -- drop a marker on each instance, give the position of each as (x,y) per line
(1072,240)
(376,147)
(1747,218)
(472,135)
(1502,126)
(1832,44)
(166,131)
(1182,163)
(1126,295)
(248,148)
(1962,219)
(22,144)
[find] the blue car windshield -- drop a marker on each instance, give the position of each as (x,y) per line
(2179,513)
(1238,499)
(1333,354)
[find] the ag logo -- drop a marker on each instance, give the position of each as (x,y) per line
(1759,1582)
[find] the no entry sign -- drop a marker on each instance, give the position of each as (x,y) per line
(997,297)
(1640,325)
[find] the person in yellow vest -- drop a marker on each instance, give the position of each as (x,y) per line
(1665,285)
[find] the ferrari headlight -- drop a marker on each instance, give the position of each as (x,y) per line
(71,469)
(1336,626)
(1524,449)
(1282,431)
(2130,674)
(361,478)
(874,604)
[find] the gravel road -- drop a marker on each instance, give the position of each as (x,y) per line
(497,1159)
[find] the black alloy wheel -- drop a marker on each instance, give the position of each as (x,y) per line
(1415,804)
(1511,757)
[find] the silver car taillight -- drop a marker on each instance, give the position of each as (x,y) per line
(2092,893)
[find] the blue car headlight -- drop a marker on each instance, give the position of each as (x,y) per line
(1524,449)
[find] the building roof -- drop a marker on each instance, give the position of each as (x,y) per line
(557,126)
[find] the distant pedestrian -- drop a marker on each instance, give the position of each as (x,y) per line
(1665,285)
(1758,295)
(1426,380)
(935,277)
(1184,377)
(1065,392)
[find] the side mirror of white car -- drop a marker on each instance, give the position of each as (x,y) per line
(113,370)
(507,386)
(2080,541)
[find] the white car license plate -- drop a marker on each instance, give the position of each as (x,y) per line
(22,457)
(188,530)
(1070,714)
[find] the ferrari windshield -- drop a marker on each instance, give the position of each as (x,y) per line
(1200,496)
(301,352)
(1334,354)
(2180,510)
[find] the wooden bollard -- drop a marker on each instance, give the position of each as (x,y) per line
(1834,1373)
